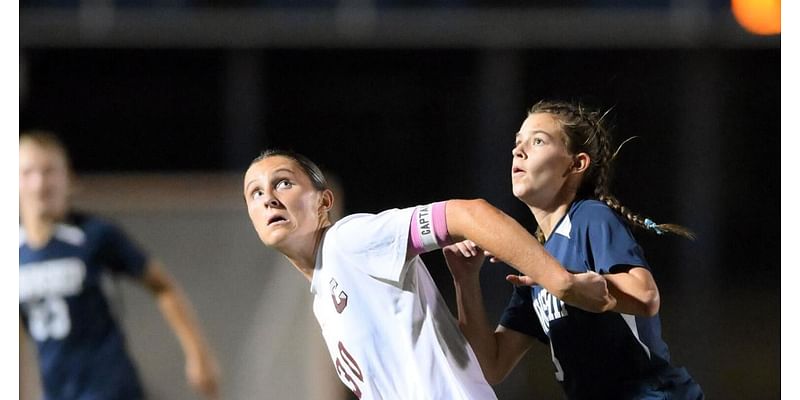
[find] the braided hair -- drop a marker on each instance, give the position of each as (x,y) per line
(585,131)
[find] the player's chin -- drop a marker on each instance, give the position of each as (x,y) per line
(519,190)
(272,237)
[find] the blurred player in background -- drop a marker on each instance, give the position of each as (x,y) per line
(560,170)
(63,256)
(387,328)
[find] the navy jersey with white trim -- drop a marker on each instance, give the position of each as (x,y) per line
(605,355)
(81,350)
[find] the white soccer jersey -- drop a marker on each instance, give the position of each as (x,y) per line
(387,328)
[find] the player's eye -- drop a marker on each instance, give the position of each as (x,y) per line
(255,194)
(283,184)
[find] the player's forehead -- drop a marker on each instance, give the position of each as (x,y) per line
(31,152)
(541,121)
(273,165)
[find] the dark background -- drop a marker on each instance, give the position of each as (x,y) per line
(402,122)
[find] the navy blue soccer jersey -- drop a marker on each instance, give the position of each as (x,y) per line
(81,349)
(597,356)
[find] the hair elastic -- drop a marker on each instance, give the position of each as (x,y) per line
(649,224)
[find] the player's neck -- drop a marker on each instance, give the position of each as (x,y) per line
(304,258)
(38,230)
(548,216)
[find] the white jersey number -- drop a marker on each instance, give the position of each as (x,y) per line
(49,318)
(557,364)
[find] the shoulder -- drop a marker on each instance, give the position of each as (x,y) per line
(594,212)
(79,228)
(352,218)
(375,244)
(94,227)
(371,221)
(87,221)
(598,222)
(349,223)
(371,231)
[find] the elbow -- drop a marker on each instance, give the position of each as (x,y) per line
(651,305)
(497,371)
(645,304)
(159,287)
(636,292)
(494,374)
(495,377)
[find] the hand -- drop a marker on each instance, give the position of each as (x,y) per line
(202,374)
(589,291)
(464,259)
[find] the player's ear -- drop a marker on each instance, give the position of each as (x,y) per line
(326,200)
(580,163)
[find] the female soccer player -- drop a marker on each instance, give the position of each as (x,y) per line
(387,329)
(62,256)
(561,160)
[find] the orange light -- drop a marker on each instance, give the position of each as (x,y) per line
(762,17)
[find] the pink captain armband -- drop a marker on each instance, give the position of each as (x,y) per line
(428,229)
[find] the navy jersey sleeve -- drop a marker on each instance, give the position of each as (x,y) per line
(121,254)
(520,316)
(610,241)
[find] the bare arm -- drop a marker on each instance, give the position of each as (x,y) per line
(507,240)
(498,351)
(201,368)
(635,290)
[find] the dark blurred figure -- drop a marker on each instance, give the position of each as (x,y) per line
(63,258)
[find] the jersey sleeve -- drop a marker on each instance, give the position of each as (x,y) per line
(610,242)
(121,254)
(520,316)
(376,243)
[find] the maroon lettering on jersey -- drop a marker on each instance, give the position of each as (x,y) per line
(340,298)
(352,367)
